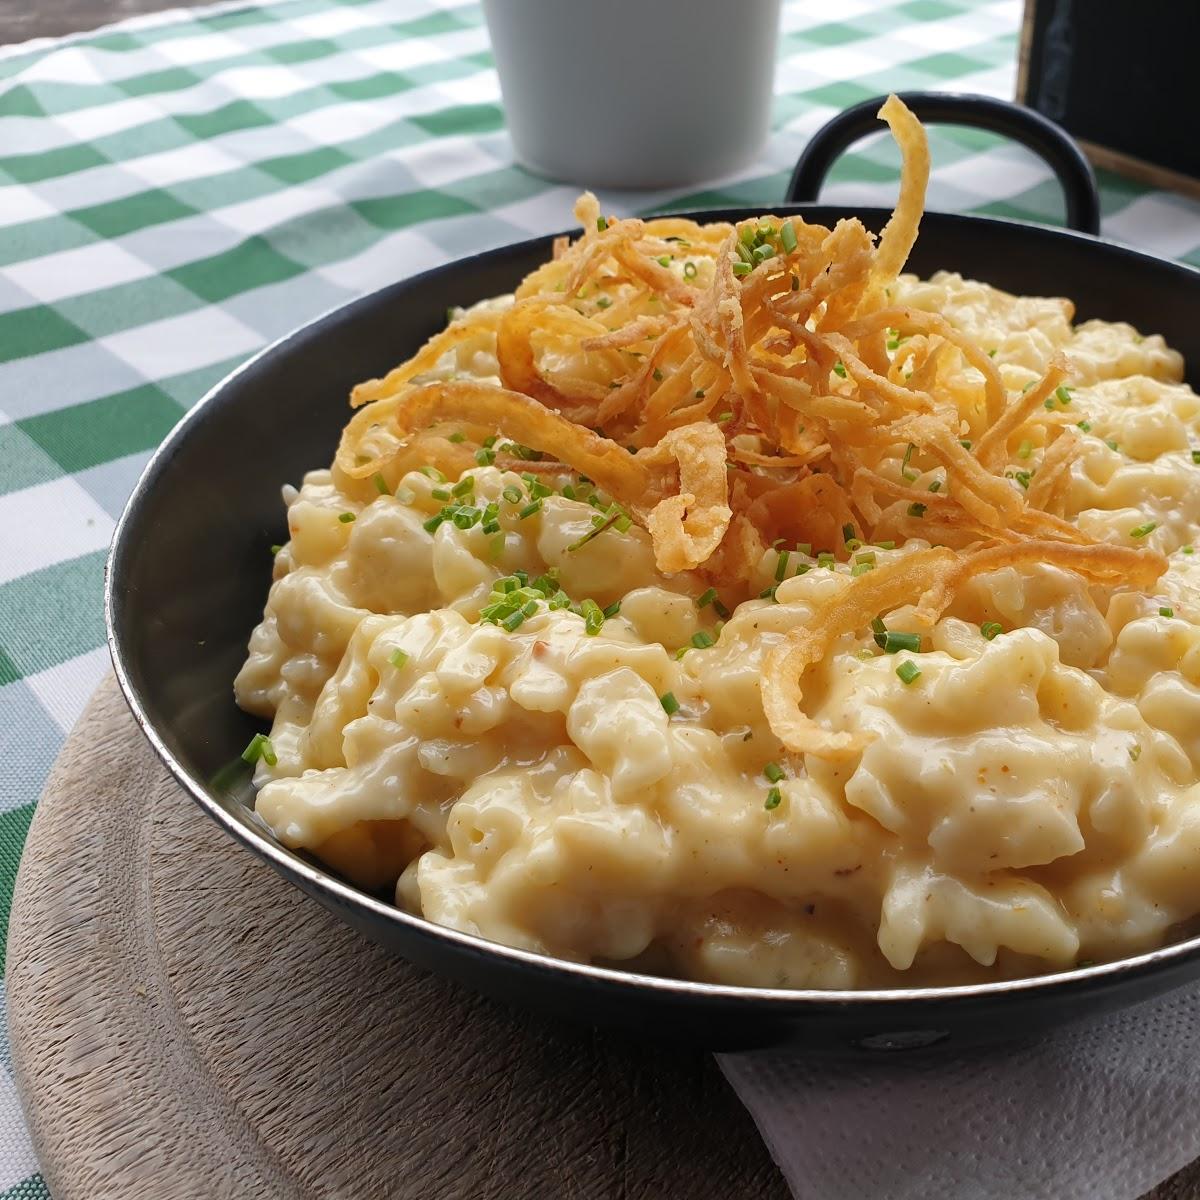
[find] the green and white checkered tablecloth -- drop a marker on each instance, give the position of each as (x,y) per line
(177,191)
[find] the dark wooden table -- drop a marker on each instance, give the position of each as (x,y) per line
(21,20)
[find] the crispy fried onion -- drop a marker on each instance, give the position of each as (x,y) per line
(935,575)
(741,386)
(677,489)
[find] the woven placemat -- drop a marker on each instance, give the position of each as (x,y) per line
(186,1024)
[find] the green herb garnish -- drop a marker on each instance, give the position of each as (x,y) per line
(260,747)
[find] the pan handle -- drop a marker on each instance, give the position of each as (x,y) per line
(1046,139)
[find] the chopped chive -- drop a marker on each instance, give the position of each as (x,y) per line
(1166,611)
(964,443)
(514,620)
(990,630)
(781,566)
(847,533)
(604,523)
(397,657)
(1111,443)
(433,522)
(689,270)
(762,253)
(593,617)
(518,451)
(839,368)
(773,800)
(706,598)
(485,457)
(491,526)
(1063,395)
(1135,752)
(936,486)
(916,510)
(768,594)
(701,640)
(681,652)
(457,436)
(861,569)
(724,417)
(1022,477)
(431,473)
(1144,530)
(1025,450)
(1188,549)
(741,268)
(886,545)
(908,453)
(612,610)
(669,703)
(380,484)
(773,771)
(893,642)
(275,549)
(346,517)
(463,486)
(440,493)
(529,510)
(826,559)
(467,516)
(601,224)
(867,556)
(1196,456)
(664,260)
(513,494)
(1086,426)
(787,235)
(260,747)
(908,671)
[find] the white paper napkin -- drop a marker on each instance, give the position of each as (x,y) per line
(1099,1111)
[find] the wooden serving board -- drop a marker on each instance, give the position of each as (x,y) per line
(186,1024)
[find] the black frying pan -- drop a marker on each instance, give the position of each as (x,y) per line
(190,568)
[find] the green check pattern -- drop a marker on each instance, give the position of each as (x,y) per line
(176,192)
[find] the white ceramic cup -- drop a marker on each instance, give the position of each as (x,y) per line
(635,93)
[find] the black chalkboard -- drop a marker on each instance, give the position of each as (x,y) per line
(1123,76)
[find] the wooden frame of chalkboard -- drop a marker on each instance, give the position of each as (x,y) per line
(1122,78)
